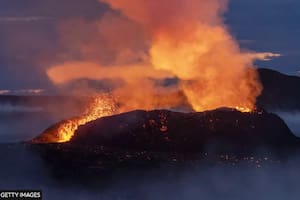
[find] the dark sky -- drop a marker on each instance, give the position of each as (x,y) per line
(269,25)
(29,36)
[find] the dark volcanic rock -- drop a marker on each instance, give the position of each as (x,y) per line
(280,91)
(146,140)
(161,130)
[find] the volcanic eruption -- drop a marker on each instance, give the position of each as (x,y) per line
(99,106)
(141,43)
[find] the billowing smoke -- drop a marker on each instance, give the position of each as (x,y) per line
(139,43)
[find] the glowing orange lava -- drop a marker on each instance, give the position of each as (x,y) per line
(100,106)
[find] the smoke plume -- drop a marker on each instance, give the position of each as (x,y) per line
(139,42)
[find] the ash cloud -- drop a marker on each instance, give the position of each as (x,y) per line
(141,41)
(29,40)
(35,46)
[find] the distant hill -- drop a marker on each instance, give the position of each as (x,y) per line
(280,91)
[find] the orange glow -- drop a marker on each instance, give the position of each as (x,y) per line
(244,109)
(187,40)
(213,71)
(148,41)
(100,106)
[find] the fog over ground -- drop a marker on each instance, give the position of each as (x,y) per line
(20,122)
(26,170)
(23,169)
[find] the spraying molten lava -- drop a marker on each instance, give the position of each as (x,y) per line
(100,106)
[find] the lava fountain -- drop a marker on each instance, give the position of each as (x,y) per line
(99,106)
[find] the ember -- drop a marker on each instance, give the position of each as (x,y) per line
(100,106)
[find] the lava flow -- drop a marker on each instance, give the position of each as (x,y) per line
(100,106)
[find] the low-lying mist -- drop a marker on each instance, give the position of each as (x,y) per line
(6,108)
(194,180)
(19,122)
(23,169)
